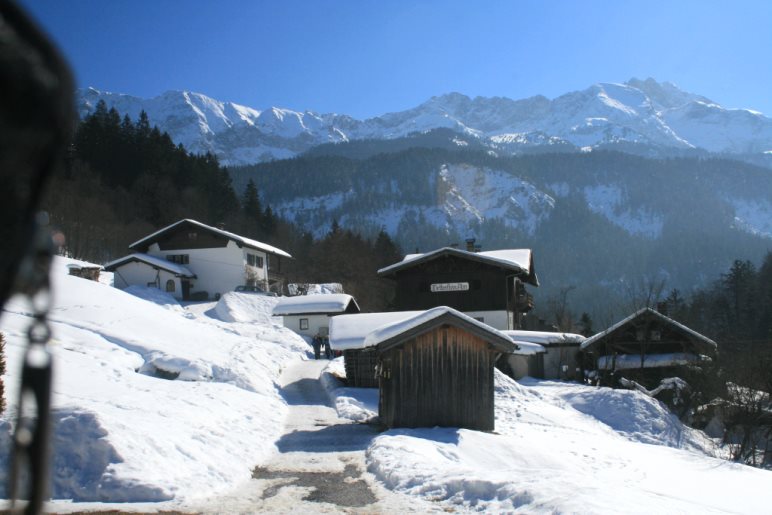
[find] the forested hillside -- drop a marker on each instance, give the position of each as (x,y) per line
(600,223)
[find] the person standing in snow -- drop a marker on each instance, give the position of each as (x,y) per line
(327,348)
(317,344)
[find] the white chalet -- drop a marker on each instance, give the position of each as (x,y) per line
(189,259)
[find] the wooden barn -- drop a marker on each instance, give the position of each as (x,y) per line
(488,286)
(645,347)
(347,335)
(437,369)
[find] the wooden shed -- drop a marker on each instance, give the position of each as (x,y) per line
(646,347)
(437,369)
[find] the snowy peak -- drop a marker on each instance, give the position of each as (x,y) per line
(645,113)
(665,95)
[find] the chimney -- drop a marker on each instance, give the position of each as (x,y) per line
(221,226)
(470,244)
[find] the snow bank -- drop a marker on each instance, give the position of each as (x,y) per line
(125,431)
(549,457)
(357,404)
(631,413)
(247,307)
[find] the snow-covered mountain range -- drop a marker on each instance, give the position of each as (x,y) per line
(640,112)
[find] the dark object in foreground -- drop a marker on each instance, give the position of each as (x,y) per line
(36,120)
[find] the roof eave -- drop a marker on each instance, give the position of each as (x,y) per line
(500,342)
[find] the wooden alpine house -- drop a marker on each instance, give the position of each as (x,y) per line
(488,286)
(437,369)
(645,347)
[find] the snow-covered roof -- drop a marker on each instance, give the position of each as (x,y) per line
(527,348)
(516,260)
(247,242)
(544,338)
(632,361)
(348,332)
(319,304)
(694,334)
(153,261)
(390,332)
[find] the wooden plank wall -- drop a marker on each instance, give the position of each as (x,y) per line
(360,368)
(440,378)
(487,286)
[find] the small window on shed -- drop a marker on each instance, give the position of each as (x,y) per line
(640,335)
(656,336)
(192,236)
(170,286)
(303,324)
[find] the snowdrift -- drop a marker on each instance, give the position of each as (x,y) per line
(151,403)
(566,448)
(247,307)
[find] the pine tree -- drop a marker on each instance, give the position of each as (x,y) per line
(585,323)
(250,202)
(386,251)
(268,222)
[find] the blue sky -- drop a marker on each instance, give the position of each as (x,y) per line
(365,57)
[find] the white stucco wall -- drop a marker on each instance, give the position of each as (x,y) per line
(141,274)
(495,319)
(218,270)
(315,322)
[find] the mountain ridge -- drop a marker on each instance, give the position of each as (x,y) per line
(659,116)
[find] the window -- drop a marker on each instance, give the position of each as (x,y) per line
(180,259)
(170,286)
(303,324)
(255,260)
(192,236)
(656,336)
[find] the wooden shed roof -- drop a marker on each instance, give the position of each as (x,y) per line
(704,344)
(518,261)
(392,335)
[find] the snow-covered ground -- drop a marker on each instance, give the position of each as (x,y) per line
(124,431)
(169,407)
(561,448)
